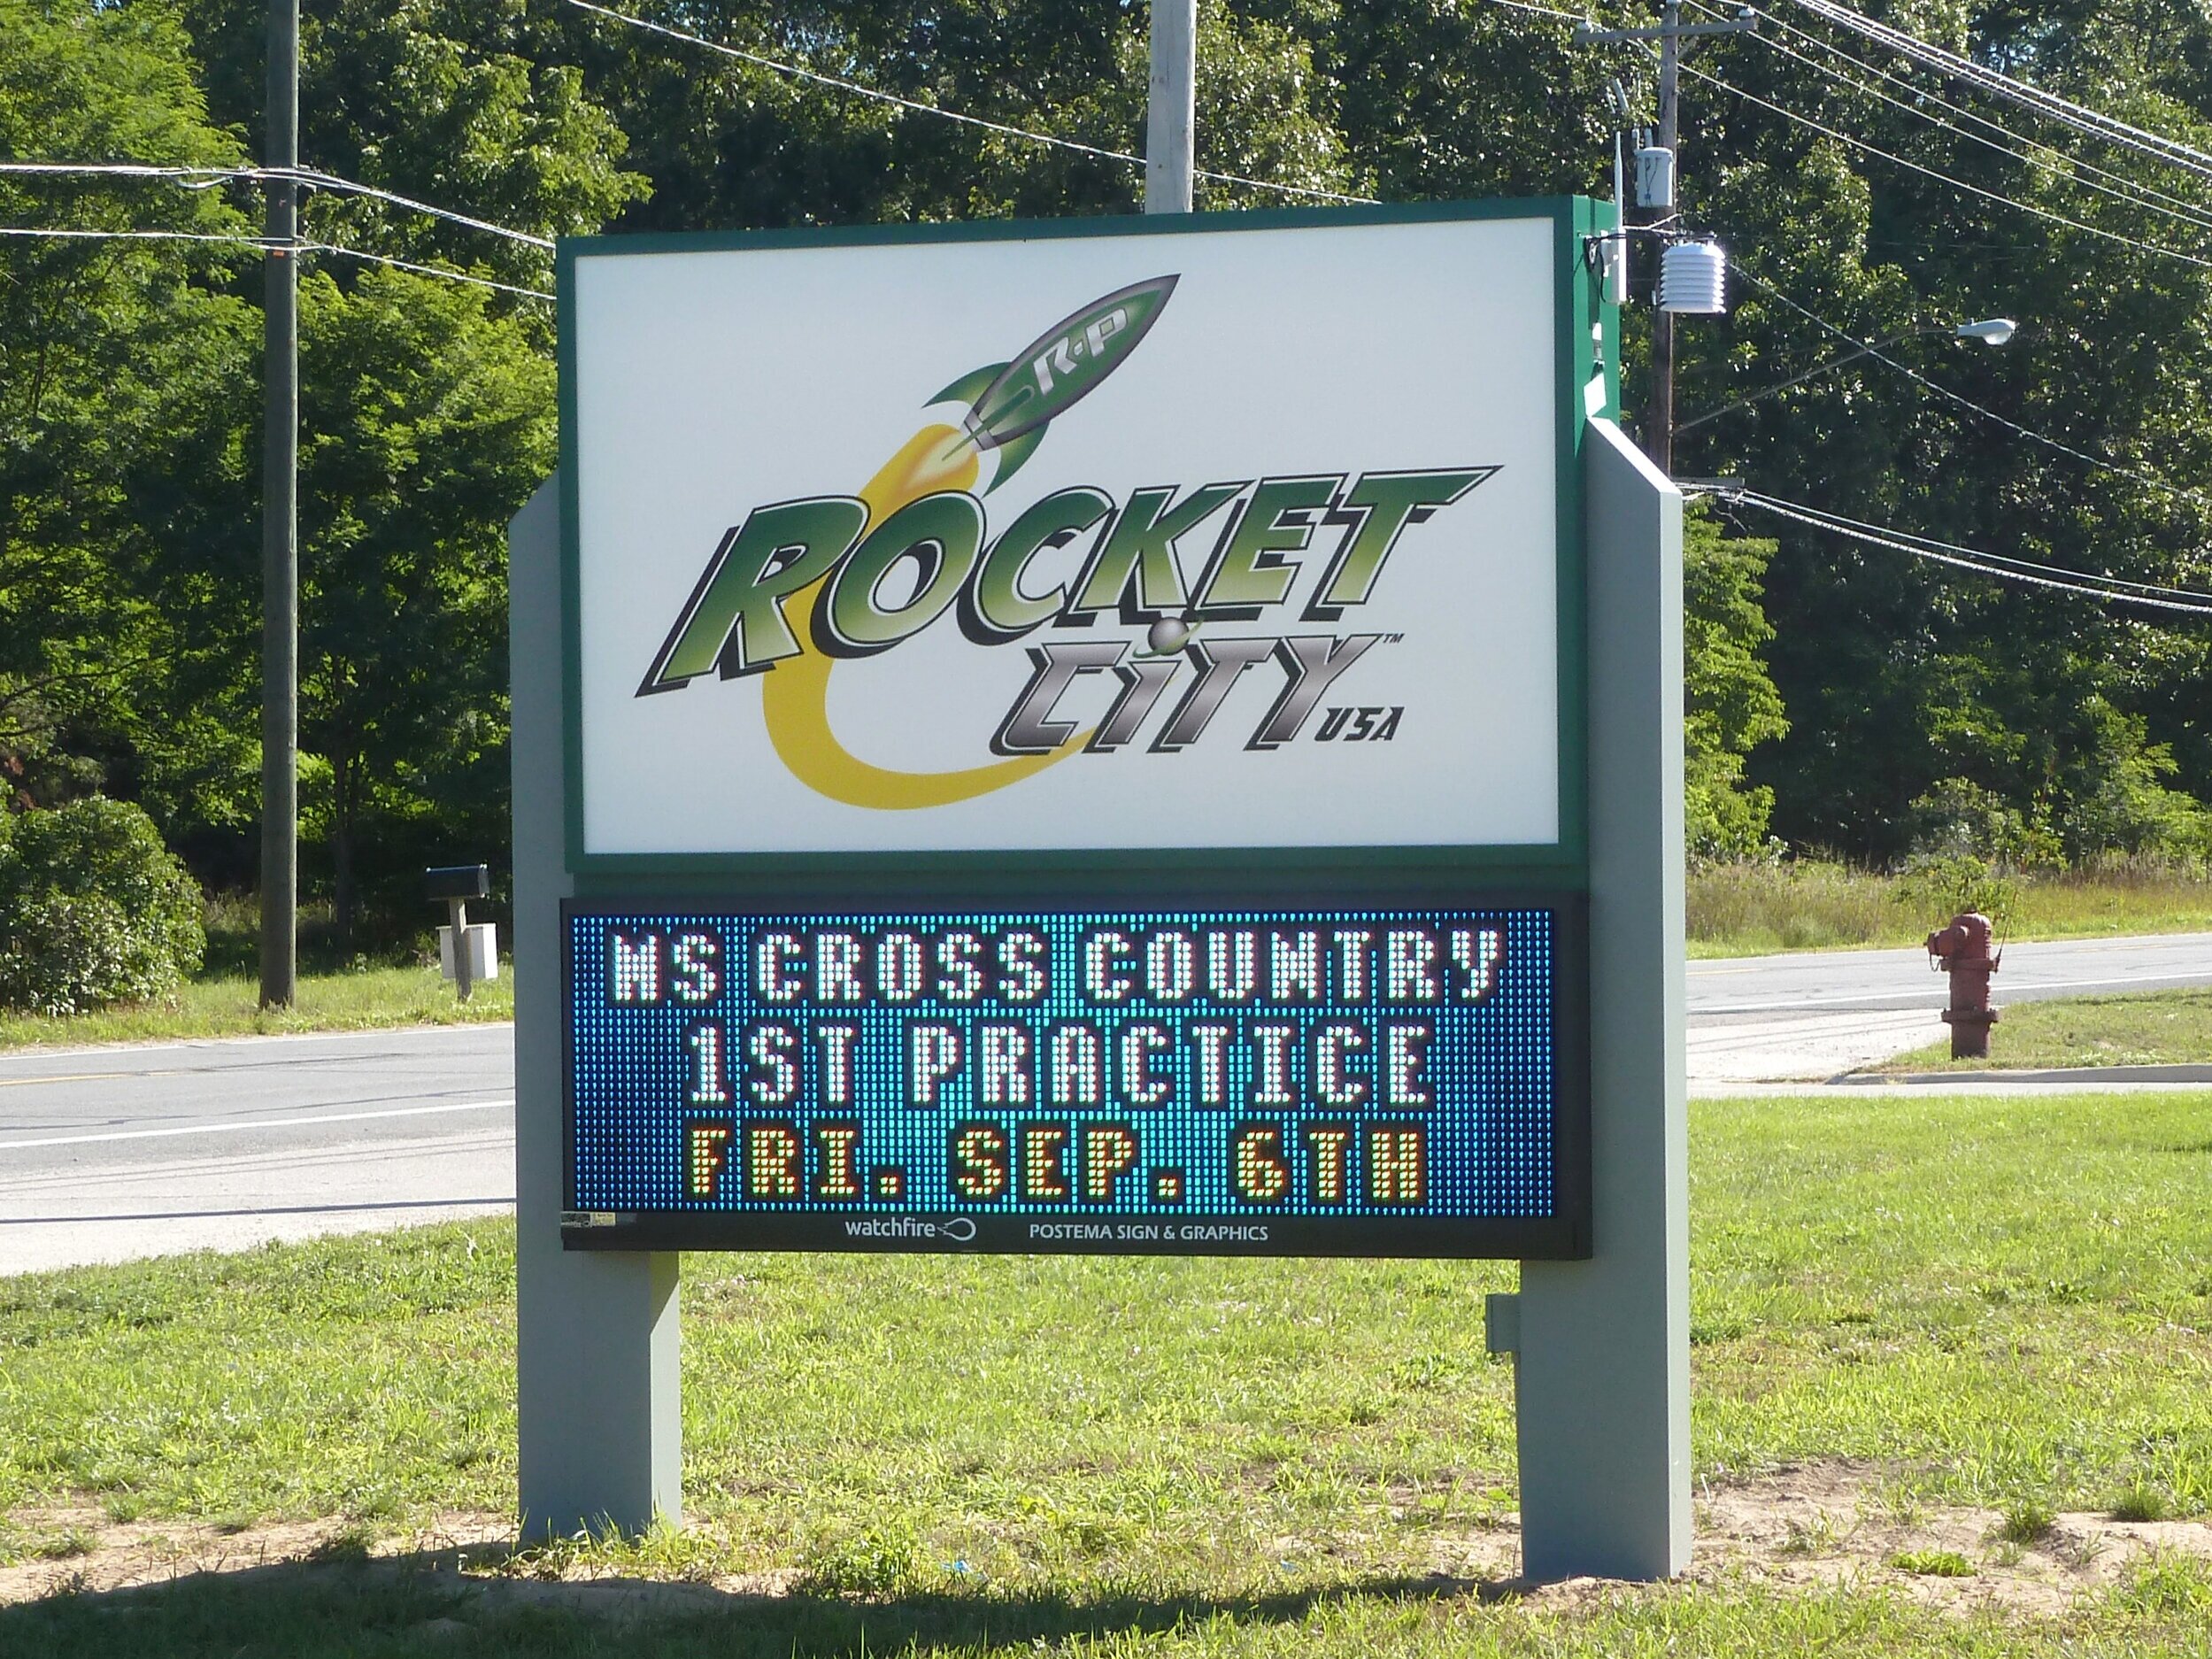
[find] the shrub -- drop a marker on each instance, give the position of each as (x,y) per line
(1958,818)
(1940,888)
(93,909)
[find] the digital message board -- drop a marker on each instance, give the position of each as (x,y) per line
(1291,1082)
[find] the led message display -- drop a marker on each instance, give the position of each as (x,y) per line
(1400,1082)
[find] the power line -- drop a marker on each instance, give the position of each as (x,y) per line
(424,270)
(2179,491)
(2079,116)
(260,243)
(131,169)
(264,245)
(350,187)
(1923,94)
(312,177)
(1000,127)
(1944,178)
(1981,564)
(2068,168)
(1543,12)
(2030,566)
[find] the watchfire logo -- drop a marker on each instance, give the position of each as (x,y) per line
(801,584)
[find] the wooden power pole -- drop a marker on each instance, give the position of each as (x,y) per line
(1172,107)
(1658,417)
(280,521)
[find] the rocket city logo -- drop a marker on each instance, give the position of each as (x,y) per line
(804,584)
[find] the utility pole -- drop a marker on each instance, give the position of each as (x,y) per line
(1659,442)
(1659,419)
(280,521)
(1172,108)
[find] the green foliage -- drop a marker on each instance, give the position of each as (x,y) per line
(2026,1521)
(1809,903)
(2142,1500)
(123,421)
(430,418)
(93,909)
(1729,703)
(1940,888)
(2088,723)
(1956,818)
(1933,1563)
(1839,697)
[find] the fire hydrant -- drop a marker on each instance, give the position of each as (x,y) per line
(1962,951)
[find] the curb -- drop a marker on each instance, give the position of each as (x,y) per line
(2065,1074)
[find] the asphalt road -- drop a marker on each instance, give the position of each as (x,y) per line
(111,1154)
(1805,1018)
(1838,982)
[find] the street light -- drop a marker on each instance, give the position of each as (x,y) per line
(1993,331)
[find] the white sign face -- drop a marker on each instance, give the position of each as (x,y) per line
(1225,538)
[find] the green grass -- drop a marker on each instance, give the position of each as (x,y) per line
(2003,1301)
(1751,909)
(229,1007)
(2158,1612)
(2152,1028)
(337,992)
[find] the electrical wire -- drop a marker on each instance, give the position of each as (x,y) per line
(264,245)
(132,169)
(2178,491)
(1000,127)
(1923,95)
(311,177)
(350,187)
(261,244)
(2071,169)
(2079,116)
(2032,566)
(1979,563)
(1960,184)
(1576,17)
(423,270)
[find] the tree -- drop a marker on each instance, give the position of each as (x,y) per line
(1730,702)
(429,420)
(122,453)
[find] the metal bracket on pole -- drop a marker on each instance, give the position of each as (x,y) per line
(1502,1323)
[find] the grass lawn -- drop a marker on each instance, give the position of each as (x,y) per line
(229,1007)
(2151,1028)
(1996,1302)
(1752,909)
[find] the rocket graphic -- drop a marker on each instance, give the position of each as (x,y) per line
(1011,403)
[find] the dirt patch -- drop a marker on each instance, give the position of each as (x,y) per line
(63,1550)
(1806,1526)
(1814,1525)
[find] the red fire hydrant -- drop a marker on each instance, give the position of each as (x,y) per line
(1962,950)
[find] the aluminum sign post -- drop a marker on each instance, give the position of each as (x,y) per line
(1604,1367)
(596,1335)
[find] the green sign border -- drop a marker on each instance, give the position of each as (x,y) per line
(1135,874)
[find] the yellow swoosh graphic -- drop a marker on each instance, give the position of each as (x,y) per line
(794,696)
